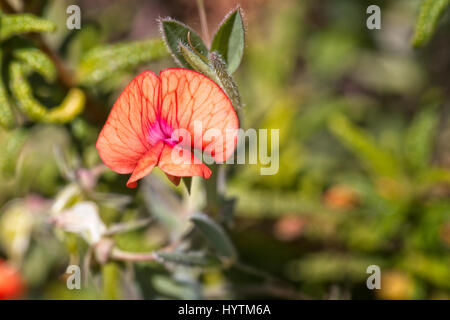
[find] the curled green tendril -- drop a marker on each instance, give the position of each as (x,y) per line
(71,106)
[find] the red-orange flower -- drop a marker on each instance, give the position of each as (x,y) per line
(11,283)
(139,132)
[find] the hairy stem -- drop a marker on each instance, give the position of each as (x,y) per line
(128,226)
(118,254)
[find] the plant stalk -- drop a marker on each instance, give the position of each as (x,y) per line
(203,21)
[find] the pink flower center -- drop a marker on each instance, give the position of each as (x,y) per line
(161,131)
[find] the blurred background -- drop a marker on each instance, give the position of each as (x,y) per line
(364,160)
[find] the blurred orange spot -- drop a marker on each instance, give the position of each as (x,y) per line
(289,227)
(11,283)
(395,285)
(341,197)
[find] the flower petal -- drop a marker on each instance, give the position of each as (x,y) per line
(146,164)
(176,161)
(189,97)
(123,139)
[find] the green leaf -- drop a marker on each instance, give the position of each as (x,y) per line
(216,235)
(174,287)
(430,12)
(227,82)
(7,119)
(433,175)
(428,267)
(38,61)
(253,203)
(216,70)
(174,32)
(377,160)
(331,266)
(229,40)
(102,62)
(23,93)
(164,204)
(199,259)
(420,136)
(188,183)
(70,107)
(198,63)
(14,24)
(111,281)
(11,148)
